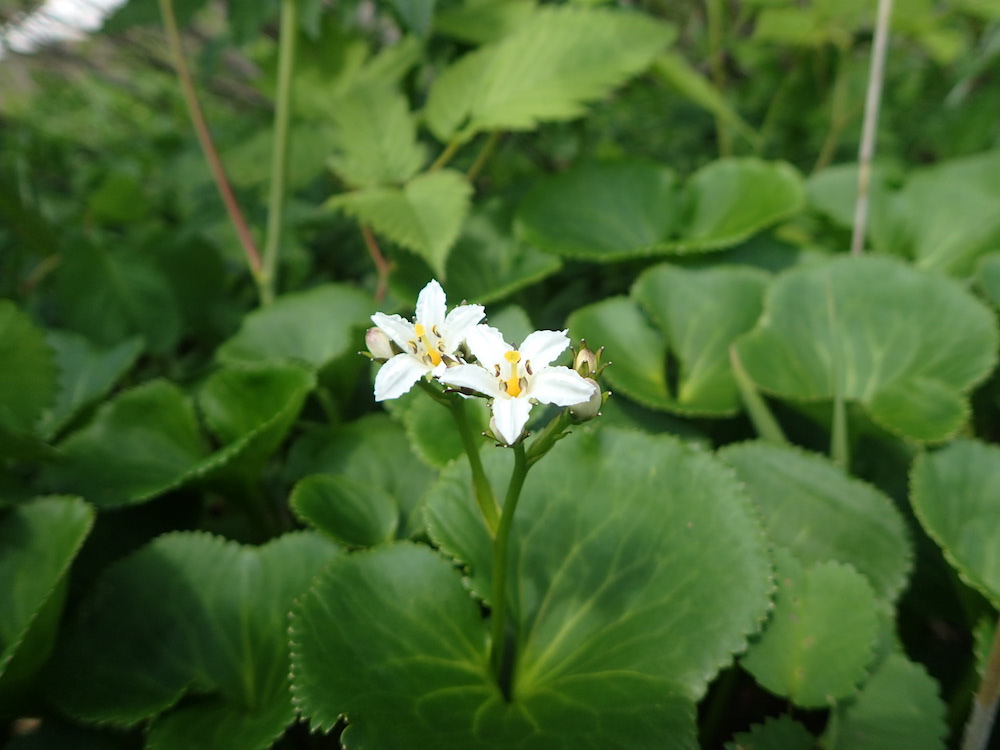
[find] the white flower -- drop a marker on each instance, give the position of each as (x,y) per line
(426,343)
(516,378)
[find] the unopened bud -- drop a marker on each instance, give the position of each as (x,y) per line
(379,344)
(587,410)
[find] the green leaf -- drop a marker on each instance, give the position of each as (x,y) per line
(898,707)
(424,216)
(629,209)
(953,492)
(672,68)
(190,616)
(700,312)
(415,15)
(695,314)
(782,733)
(375,137)
(815,511)
(28,374)
(87,373)
(432,430)
(140,445)
(988,278)
(602,211)
(250,408)
(821,636)
(375,452)
(314,326)
(616,638)
(38,541)
(355,513)
(422,680)
(111,295)
(878,332)
(483,21)
(145,13)
(546,70)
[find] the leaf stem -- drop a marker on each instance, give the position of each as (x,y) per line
(500,659)
(484,155)
(445,157)
(760,413)
(208,146)
(485,498)
(279,154)
(715,10)
(382,266)
(984,706)
(873,99)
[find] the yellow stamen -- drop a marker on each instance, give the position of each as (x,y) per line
(513,383)
(432,352)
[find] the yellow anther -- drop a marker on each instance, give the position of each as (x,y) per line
(432,352)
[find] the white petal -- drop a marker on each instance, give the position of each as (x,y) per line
(431,305)
(510,415)
(560,386)
(397,376)
(541,347)
(474,377)
(398,329)
(487,345)
(459,324)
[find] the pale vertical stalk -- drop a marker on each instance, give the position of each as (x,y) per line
(984,705)
(873,99)
(763,419)
(206,143)
(279,155)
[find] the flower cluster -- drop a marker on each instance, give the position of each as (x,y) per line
(460,351)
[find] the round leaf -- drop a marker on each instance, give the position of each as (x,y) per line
(954,494)
(783,733)
(190,614)
(818,513)
(422,681)
(821,635)
(314,326)
(906,344)
(898,707)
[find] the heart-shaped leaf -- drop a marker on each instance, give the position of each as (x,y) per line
(906,344)
(190,615)
(816,512)
(821,635)
(954,494)
(898,707)
(611,211)
(612,619)
(424,216)
(38,541)
(694,314)
(547,69)
(314,326)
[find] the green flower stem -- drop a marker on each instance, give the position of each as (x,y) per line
(484,156)
(716,12)
(449,151)
(500,660)
(485,498)
(279,155)
(984,706)
(208,146)
(553,432)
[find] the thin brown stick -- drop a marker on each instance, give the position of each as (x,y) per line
(382,266)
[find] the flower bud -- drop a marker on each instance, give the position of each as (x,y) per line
(586,361)
(587,410)
(379,344)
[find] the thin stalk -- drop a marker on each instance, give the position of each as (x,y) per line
(382,266)
(840,112)
(484,156)
(984,706)
(485,498)
(760,413)
(445,157)
(499,658)
(279,155)
(208,146)
(715,11)
(873,99)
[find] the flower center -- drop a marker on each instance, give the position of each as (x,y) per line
(513,383)
(424,339)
